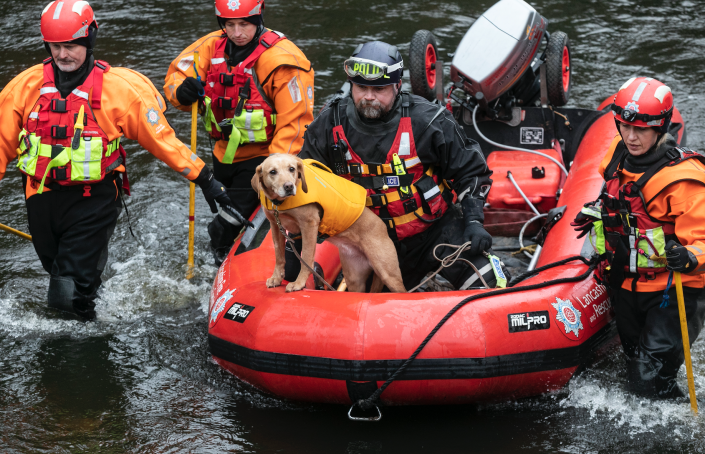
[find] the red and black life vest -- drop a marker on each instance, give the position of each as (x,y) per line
(630,234)
(407,197)
(53,150)
(234,91)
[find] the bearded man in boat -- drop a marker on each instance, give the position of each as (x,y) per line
(63,120)
(650,221)
(258,100)
(411,156)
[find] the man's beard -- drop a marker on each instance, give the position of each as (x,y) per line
(372,110)
(67,66)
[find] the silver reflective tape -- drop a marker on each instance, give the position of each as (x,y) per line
(34,115)
(404,145)
(412,162)
(248,120)
(47,90)
(248,70)
(193,157)
(186,171)
(251,136)
(86,158)
(80,94)
(471,280)
(348,156)
(57,11)
(638,92)
(431,192)
(649,249)
(632,254)
(217,61)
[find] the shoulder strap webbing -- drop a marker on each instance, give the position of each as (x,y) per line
(617,161)
(98,71)
(267,40)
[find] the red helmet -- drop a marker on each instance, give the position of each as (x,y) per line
(67,20)
(643,101)
(238,9)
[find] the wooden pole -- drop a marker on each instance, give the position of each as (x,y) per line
(16,232)
(686,342)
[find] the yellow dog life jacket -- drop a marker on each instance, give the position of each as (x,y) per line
(342,201)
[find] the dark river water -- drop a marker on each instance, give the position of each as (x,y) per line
(141,379)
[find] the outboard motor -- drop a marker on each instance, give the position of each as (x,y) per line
(500,62)
(495,55)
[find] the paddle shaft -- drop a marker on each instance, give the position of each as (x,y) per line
(686,342)
(16,232)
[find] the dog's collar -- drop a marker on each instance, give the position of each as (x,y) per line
(277,202)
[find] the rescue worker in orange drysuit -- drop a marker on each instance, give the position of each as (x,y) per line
(650,221)
(258,100)
(411,156)
(63,121)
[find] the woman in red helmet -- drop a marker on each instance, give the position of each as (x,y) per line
(651,209)
(66,118)
(258,100)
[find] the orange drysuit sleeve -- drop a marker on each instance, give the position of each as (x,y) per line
(134,107)
(182,66)
(16,100)
(130,106)
(286,78)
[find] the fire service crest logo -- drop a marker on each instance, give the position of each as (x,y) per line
(219,305)
(234,5)
(568,315)
(152,117)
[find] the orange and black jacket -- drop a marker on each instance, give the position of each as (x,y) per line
(676,194)
(129,103)
(276,68)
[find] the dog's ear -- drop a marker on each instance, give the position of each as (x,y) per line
(300,170)
(257,183)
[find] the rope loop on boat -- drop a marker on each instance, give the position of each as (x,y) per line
(450,260)
(373,401)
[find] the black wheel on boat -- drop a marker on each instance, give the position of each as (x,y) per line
(423,54)
(558,71)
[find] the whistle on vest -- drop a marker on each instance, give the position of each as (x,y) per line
(77,130)
(400,169)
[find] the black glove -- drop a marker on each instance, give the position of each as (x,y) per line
(583,222)
(214,191)
(474,231)
(190,91)
(680,258)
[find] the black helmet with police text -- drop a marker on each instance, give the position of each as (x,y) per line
(375,64)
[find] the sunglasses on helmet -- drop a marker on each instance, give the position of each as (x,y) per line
(369,69)
(632,115)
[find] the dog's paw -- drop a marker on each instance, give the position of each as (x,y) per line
(294,287)
(274,282)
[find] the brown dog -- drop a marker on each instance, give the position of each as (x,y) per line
(364,247)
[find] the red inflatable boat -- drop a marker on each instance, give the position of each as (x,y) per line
(339,347)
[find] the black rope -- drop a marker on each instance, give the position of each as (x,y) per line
(371,402)
(528,274)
